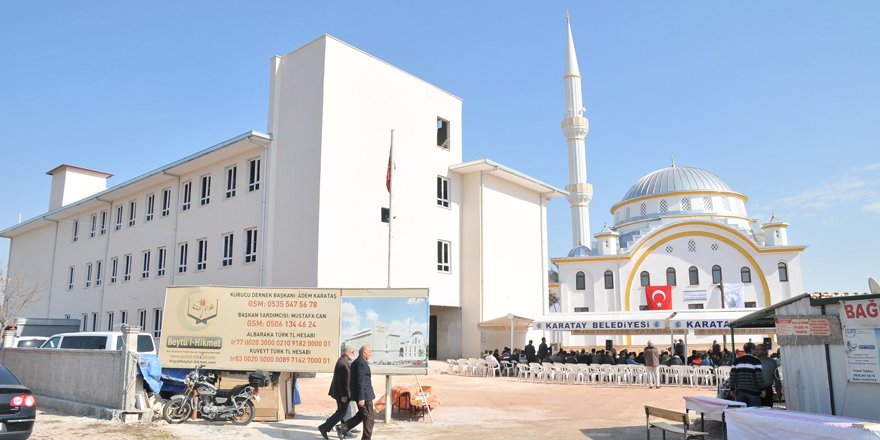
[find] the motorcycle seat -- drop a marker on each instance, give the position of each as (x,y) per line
(234,391)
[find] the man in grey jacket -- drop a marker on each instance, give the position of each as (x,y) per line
(652,362)
(340,389)
(362,393)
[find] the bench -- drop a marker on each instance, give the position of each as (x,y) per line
(680,417)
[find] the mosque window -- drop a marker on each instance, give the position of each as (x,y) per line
(707,203)
(643,307)
(663,206)
(693,276)
(714,246)
(692,246)
(643,209)
(685,204)
(580,281)
(695,306)
(581,309)
(751,304)
(726,202)
(627,213)
(716,274)
(670,276)
(609,279)
(645,278)
(783,272)
(669,249)
(442,133)
(745,275)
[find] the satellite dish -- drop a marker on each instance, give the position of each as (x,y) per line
(873,286)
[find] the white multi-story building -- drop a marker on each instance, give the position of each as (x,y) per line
(302,206)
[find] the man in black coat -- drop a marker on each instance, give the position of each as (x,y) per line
(530,353)
(362,393)
(340,389)
(543,350)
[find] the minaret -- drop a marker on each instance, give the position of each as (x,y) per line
(575,127)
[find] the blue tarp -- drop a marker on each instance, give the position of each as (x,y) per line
(151,370)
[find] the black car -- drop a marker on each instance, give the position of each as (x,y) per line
(18,407)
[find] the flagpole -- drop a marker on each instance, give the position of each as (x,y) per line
(390,212)
(721,285)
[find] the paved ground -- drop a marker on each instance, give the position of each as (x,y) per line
(471,407)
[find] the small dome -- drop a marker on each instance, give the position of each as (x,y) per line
(676,179)
(580,251)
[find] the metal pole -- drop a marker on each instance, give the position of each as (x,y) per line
(723,335)
(388,403)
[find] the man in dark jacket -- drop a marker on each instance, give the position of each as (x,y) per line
(362,393)
(543,350)
(340,389)
(530,353)
(746,377)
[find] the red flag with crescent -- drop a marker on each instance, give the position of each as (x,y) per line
(659,297)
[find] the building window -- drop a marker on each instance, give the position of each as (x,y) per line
(250,246)
(442,191)
(628,212)
(670,277)
(76,230)
(94,321)
(581,309)
(205,191)
(99,273)
(663,206)
(750,304)
(114,269)
(707,203)
(104,222)
(692,246)
(88,275)
(643,209)
(685,204)
(132,212)
(142,319)
(609,279)
(783,272)
(695,306)
(93,225)
(254,174)
(643,307)
(227,250)
(745,275)
(231,179)
(123,317)
(645,278)
(85,322)
(726,203)
(580,282)
(181,263)
(118,218)
(443,256)
(151,207)
(160,262)
(202,257)
(669,249)
(187,195)
(126,274)
(693,276)
(716,274)
(157,323)
(442,133)
(145,267)
(109,321)
(166,202)
(714,246)
(70,277)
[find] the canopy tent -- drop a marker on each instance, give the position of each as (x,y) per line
(503,323)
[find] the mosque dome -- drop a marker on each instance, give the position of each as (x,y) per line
(676,179)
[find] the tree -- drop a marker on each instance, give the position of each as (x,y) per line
(16,293)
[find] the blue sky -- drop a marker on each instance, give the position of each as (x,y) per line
(403,316)
(777,98)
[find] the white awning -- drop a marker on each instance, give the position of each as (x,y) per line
(606,323)
(706,322)
(503,323)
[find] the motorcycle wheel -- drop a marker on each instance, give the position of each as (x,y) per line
(245,415)
(176,411)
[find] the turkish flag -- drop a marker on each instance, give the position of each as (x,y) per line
(659,297)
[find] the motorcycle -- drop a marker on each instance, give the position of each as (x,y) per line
(209,402)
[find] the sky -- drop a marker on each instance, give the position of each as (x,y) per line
(402,316)
(779,99)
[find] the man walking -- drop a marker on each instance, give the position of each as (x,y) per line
(652,363)
(746,377)
(340,389)
(362,393)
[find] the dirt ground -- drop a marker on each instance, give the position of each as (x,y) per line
(471,407)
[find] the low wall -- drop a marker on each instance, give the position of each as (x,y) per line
(85,377)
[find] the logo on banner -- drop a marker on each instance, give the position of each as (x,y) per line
(202,310)
(659,297)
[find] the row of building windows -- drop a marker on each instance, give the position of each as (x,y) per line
(98,222)
(90,321)
(685,206)
(671,279)
(97,268)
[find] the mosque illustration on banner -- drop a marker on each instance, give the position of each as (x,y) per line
(395,328)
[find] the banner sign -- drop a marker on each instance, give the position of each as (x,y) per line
(696,295)
(808,330)
(861,331)
(689,324)
(641,324)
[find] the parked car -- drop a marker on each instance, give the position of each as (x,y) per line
(30,342)
(98,341)
(18,407)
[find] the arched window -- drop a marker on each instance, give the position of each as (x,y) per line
(745,274)
(670,276)
(693,276)
(609,279)
(580,281)
(716,274)
(783,272)
(646,278)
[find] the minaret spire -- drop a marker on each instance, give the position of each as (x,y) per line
(575,127)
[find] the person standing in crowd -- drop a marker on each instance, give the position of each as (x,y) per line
(652,362)
(530,352)
(543,350)
(362,393)
(746,377)
(678,349)
(768,372)
(340,389)
(716,349)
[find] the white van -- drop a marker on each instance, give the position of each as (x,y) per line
(98,341)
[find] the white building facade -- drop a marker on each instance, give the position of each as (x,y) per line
(301,206)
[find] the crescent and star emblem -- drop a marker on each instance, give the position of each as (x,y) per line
(654,297)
